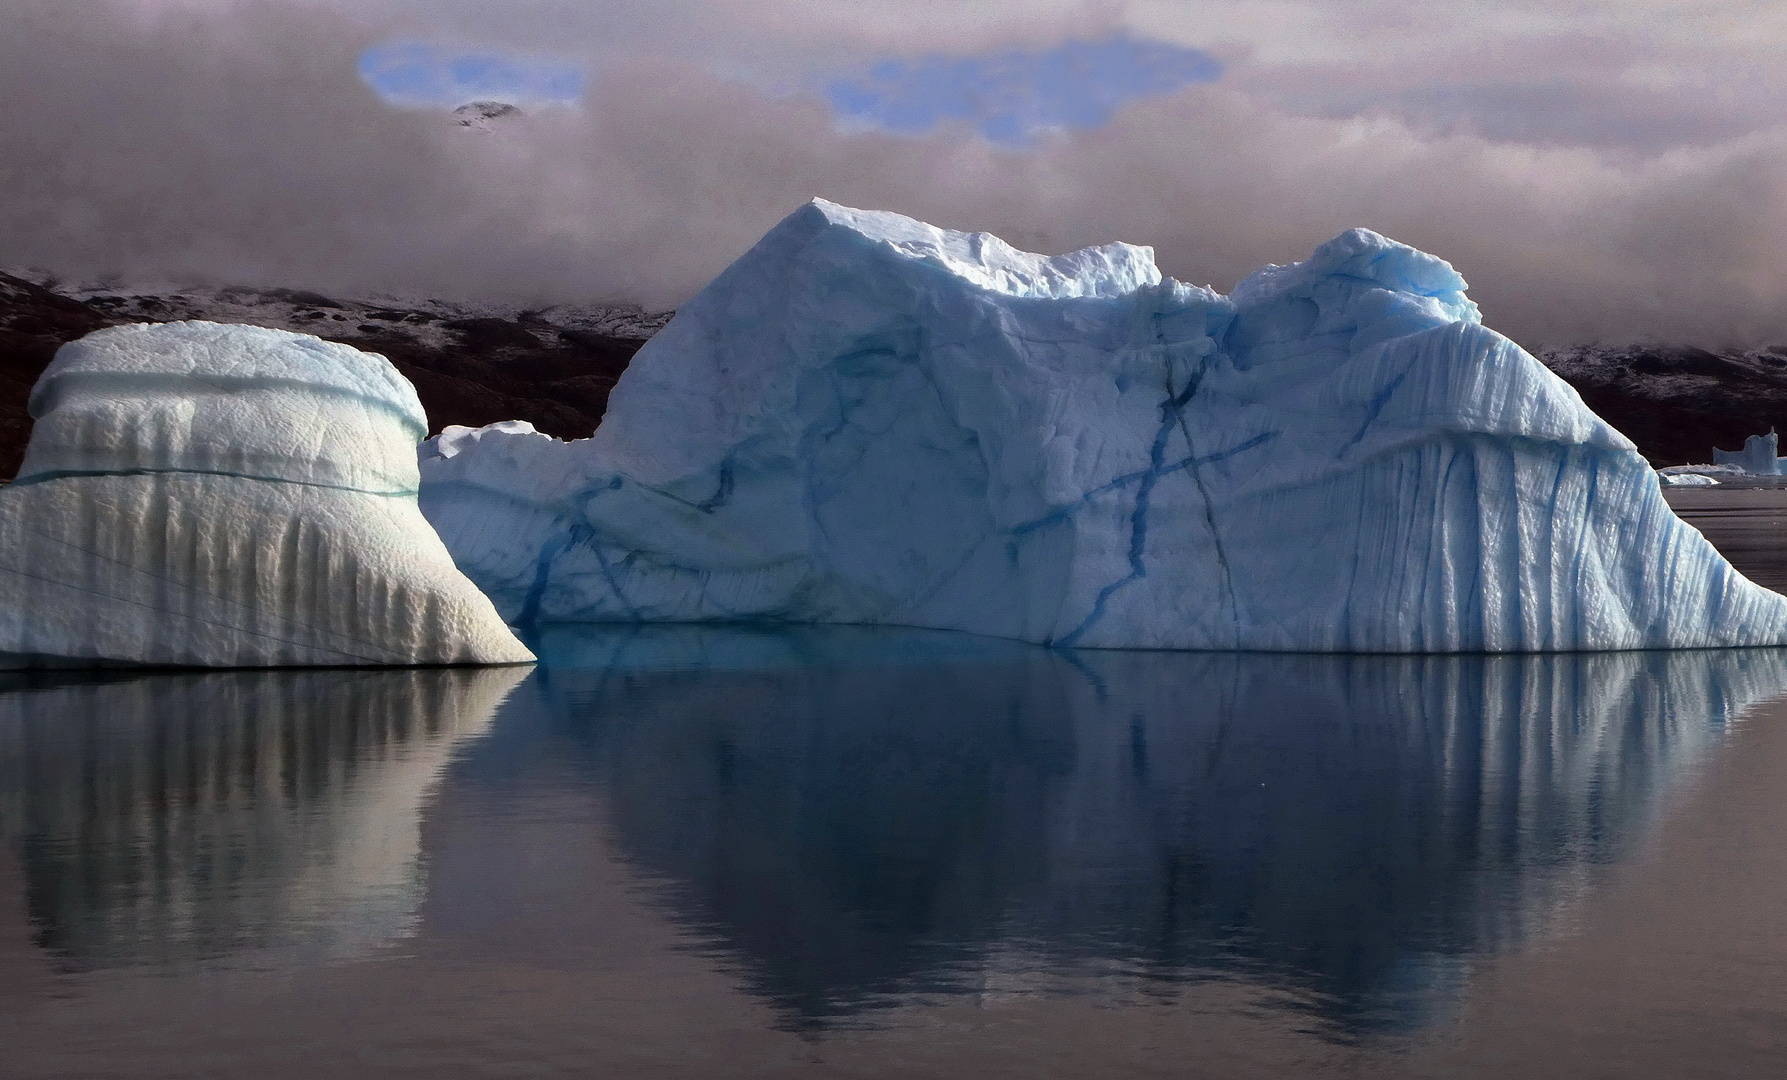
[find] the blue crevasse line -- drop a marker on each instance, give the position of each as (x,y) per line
(723,493)
(577,535)
(1067,641)
(1056,517)
(74,474)
(1197,476)
(1371,413)
(1138,521)
(530,608)
(1138,518)
(613,581)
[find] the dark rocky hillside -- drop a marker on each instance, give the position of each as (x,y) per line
(34,323)
(1677,404)
(554,367)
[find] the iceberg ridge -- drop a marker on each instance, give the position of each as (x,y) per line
(866,419)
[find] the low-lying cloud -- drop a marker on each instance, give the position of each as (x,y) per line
(237,144)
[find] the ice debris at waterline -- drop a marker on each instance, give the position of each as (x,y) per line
(1686,479)
(1698,475)
(227,496)
(870,420)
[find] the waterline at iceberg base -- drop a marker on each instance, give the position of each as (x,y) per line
(870,420)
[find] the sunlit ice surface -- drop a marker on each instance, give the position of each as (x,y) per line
(686,851)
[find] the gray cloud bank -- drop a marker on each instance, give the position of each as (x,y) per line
(233,143)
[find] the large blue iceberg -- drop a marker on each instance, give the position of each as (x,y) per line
(870,420)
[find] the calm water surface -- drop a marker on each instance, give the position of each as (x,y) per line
(712,852)
(1748,525)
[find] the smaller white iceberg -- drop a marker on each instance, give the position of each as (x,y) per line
(1698,475)
(202,495)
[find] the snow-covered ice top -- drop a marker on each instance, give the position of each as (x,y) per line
(203,397)
(869,420)
(229,496)
(985,260)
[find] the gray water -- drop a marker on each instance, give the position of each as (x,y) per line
(837,852)
(1747,524)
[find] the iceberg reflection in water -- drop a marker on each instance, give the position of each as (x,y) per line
(850,820)
(864,816)
(178,817)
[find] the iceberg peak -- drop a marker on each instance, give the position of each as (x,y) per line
(1365,254)
(989,262)
(1361,261)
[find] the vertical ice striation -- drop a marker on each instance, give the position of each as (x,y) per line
(228,496)
(870,420)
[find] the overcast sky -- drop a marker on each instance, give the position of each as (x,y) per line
(1597,170)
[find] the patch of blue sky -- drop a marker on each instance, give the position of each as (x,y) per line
(1012,96)
(413,73)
